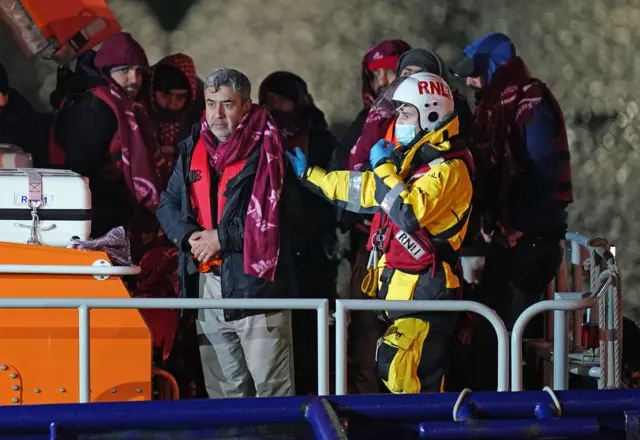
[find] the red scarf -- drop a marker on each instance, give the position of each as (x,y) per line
(498,143)
(385,54)
(261,231)
(138,144)
(169,129)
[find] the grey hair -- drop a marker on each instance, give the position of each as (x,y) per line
(236,80)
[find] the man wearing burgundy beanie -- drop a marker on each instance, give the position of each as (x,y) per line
(104,134)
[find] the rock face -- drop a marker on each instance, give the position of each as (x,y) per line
(584,50)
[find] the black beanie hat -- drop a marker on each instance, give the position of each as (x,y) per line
(4,80)
(167,78)
(286,84)
(426,60)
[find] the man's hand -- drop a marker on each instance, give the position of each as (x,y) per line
(467,330)
(365,226)
(472,269)
(507,238)
(205,245)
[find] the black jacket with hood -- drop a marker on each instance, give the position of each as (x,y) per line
(178,220)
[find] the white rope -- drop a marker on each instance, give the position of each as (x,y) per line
(592,264)
(555,399)
(615,290)
(456,406)
(597,278)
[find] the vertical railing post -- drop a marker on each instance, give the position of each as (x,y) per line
(560,353)
(341,348)
(548,317)
(562,285)
(577,274)
(323,349)
(83,344)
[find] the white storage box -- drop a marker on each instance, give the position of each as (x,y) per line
(12,156)
(62,212)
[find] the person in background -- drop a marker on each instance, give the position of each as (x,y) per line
(103,133)
(378,73)
(173,83)
(84,76)
(20,124)
(171,95)
(225,208)
(519,142)
(420,192)
(302,124)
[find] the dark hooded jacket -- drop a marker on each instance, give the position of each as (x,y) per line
(85,126)
(24,127)
(525,136)
(313,236)
(21,125)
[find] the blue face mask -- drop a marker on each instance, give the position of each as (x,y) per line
(405,133)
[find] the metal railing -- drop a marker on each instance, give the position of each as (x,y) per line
(84,306)
(41,269)
(559,347)
(602,295)
(342,306)
(605,298)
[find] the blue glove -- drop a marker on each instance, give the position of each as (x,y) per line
(299,161)
(381,150)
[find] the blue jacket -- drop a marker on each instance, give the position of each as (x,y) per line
(536,212)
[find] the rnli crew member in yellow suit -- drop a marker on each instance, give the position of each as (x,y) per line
(420,191)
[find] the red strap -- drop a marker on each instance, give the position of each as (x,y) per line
(201,187)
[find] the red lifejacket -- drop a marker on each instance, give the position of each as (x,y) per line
(200,190)
(57,155)
(420,250)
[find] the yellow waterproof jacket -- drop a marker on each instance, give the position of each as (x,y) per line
(435,201)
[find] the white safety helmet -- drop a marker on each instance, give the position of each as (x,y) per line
(428,93)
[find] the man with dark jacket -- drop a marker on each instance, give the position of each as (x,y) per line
(20,124)
(302,124)
(519,143)
(103,133)
(222,208)
(378,78)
